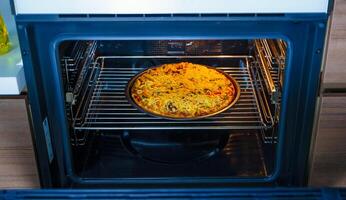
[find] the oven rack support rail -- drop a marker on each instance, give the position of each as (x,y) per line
(107,108)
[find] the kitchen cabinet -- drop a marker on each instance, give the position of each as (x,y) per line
(335,69)
(329,157)
(329,160)
(18,167)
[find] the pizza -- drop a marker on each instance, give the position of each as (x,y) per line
(183,90)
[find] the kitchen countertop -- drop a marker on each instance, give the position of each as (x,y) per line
(12,80)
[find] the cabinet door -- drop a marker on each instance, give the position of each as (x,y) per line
(329,157)
(17,161)
(335,70)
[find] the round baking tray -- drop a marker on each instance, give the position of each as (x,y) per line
(133,102)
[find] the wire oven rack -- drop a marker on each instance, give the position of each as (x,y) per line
(107,107)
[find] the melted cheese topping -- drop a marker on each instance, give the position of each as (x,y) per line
(182,90)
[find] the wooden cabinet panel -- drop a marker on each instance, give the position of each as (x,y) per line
(335,70)
(17,161)
(329,158)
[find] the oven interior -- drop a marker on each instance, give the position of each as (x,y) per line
(110,138)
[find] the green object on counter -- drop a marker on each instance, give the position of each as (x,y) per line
(4,39)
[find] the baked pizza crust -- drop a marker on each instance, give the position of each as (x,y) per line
(183,90)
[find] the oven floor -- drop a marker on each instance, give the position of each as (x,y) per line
(106,157)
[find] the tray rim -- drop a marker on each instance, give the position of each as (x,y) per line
(133,102)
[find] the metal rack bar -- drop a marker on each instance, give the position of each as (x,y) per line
(108,108)
(282,46)
(260,94)
(82,75)
(178,56)
(273,49)
(75,54)
(265,65)
(267,52)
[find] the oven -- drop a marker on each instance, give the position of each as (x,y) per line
(79,59)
